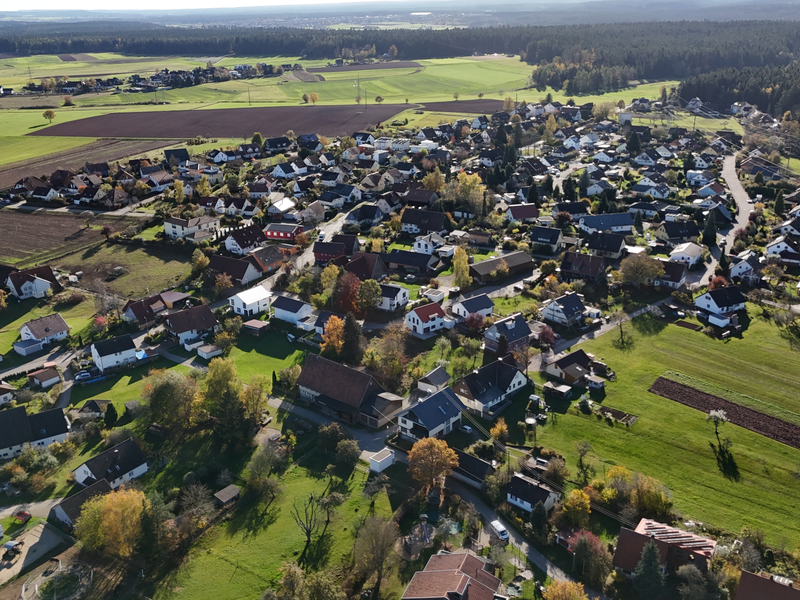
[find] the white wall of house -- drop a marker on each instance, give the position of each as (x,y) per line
(291,317)
(113,360)
(459,310)
(26,334)
(526,506)
(38,288)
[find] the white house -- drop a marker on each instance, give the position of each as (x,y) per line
(38,282)
(17,429)
(746,267)
(7,392)
(428,244)
(120,464)
(490,386)
(697,178)
(784,247)
(480,304)
(40,332)
(191,323)
(688,253)
(290,310)
(69,509)
(114,352)
(613,222)
(177,228)
(720,303)
(434,416)
(244,240)
(380,461)
(525,493)
(250,302)
(425,320)
(566,310)
(393,297)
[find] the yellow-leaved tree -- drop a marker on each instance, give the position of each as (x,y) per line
(430,461)
(565,590)
(113,522)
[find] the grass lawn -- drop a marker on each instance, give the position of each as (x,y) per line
(22,148)
(267,353)
(18,313)
(148,270)
(672,442)
(247,550)
(513,304)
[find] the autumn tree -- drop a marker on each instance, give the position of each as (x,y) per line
(499,431)
(203,188)
(177,191)
(222,282)
(221,377)
(333,337)
(434,181)
(113,522)
(175,400)
(369,294)
(374,549)
(592,559)
(3,299)
(640,269)
(717,417)
(387,353)
(290,375)
(107,231)
(461,276)
(577,508)
(256,394)
(329,277)
(430,461)
(323,586)
(261,464)
(565,590)
(508,104)
(347,293)
(314,97)
(392,52)
(305,98)
(49,115)
(347,452)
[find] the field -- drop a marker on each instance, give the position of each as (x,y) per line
(18,313)
(42,237)
(23,148)
(672,442)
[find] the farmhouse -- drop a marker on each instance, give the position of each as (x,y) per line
(37,334)
(485,390)
(513,329)
(191,323)
(457,575)
(38,282)
(17,429)
(69,509)
(434,416)
(565,310)
(113,352)
(525,493)
(120,464)
(480,304)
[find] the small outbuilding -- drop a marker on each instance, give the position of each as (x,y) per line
(227,495)
(208,351)
(380,461)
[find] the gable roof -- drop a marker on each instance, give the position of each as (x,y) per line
(545,235)
(19,278)
(366,266)
(426,312)
(756,587)
(262,258)
(48,423)
(236,268)
(114,345)
(287,304)
(629,549)
(680,229)
(608,221)
(424,219)
(528,489)
(249,236)
(437,377)
(350,242)
(333,248)
(442,406)
(472,467)
(46,326)
(116,461)
(14,427)
(570,304)
(513,260)
(605,242)
(586,265)
(197,317)
(346,387)
(476,303)
(514,328)
(73,505)
(460,573)
(523,211)
(727,296)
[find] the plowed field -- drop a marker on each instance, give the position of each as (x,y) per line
(228,122)
(773,428)
(466,106)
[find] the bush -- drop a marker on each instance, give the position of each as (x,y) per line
(116,436)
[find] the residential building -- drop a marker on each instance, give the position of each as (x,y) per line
(687,253)
(7,392)
(418,221)
(36,334)
(480,304)
(549,239)
(282,231)
(17,429)
(324,252)
(485,391)
(522,213)
(145,312)
(613,222)
(196,229)
(434,380)
(290,310)
(266,260)
(514,329)
(191,323)
(38,282)
(471,470)
(673,233)
(606,245)
(117,465)
(244,240)
(427,319)
(525,493)
(572,368)
(393,297)
(69,509)
(576,209)
(720,304)
(674,276)
(240,271)
(567,310)
(113,352)
(746,267)
(435,416)
(459,575)
(582,266)
(428,244)
(250,302)
(492,269)
(754,586)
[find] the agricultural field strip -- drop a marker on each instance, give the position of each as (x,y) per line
(771,427)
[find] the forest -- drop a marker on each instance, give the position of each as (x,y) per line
(577,58)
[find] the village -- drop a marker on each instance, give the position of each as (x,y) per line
(426,301)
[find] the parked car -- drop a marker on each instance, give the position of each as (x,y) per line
(465,429)
(499,530)
(82,376)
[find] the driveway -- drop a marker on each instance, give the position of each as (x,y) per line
(39,542)
(37,509)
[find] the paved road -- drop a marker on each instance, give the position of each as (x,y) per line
(37,509)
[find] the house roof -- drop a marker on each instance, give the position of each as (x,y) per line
(756,587)
(330,248)
(262,258)
(727,296)
(287,304)
(674,272)
(490,381)
(227,494)
(427,312)
(688,248)
(570,304)
(19,278)
(437,377)
(472,467)
(407,258)
(673,536)
(573,208)
(48,423)
(117,461)
(424,219)
(523,211)
(607,221)
(254,294)
(579,357)
(431,412)
(514,260)
(459,573)
(197,317)
(282,227)
(528,489)
(514,328)
(145,310)
(477,303)
(95,406)
(44,374)
(605,242)
(366,266)
(235,267)
(193,222)
(14,427)
(680,229)
(345,386)
(47,326)
(545,235)
(114,345)
(251,235)
(73,505)
(629,549)
(586,265)
(390,291)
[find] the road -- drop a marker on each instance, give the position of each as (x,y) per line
(37,509)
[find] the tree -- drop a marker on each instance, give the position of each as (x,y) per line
(717,283)
(369,295)
(640,269)
(591,555)
(233,424)
(200,262)
(49,115)
(257,139)
(203,187)
(577,508)
(455,96)
(637,220)
(306,515)
(352,340)
(508,104)
(502,345)
(323,586)
(430,461)
(222,282)
(648,578)
(443,345)
(256,394)
(461,276)
(347,293)
(565,590)
(290,375)
(314,97)
(302,240)
(347,452)
(110,418)
(538,520)
(434,181)
(258,474)
(305,98)
(292,582)
(155,520)
(177,189)
(378,99)
(374,549)
(392,52)
(710,230)
(220,378)
(3,299)
(778,208)
(175,400)
(333,337)
(107,231)
(693,584)
(547,337)
(474,322)
(330,503)
(499,431)
(328,278)
(113,522)
(634,144)
(717,417)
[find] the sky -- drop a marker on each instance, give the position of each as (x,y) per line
(8,5)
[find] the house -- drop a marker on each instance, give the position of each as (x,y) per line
(481,305)
(696,178)
(576,209)
(250,302)
(38,282)
(418,221)
(525,493)
(282,231)
(582,266)
(324,252)
(284,171)
(290,310)
(484,391)
(522,213)
(674,276)
(427,319)
(313,213)
(613,222)
(44,378)
(598,187)
(191,323)
(673,233)
(420,198)
(676,547)
(227,495)
(479,237)
(434,380)
(758,587)
(366,266)
(240,271)
(410,262)
(449,576)
(746,267)
(565,310)
(144,312)
(428,244)
(572,368)
(38,333)
(547,239)
(365,214)
(93,409)
(688,253)
(789,227)
(435,416)
(606,245)
(785,248)
(720,304)
(69,509)
(350,242)
(471,470)
(281,207)
(500,267)
(490,158)
(514,329)
(195,229)
(346,394)
(393,297)
(7,392)
(113,352)
(244,240)
(277,144)
(117,465)
(712,189)
(17,429)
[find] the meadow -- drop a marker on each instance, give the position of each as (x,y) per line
(19,313)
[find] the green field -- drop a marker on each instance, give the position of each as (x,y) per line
(262,355)
(23,148)
(671,441)
(18,313)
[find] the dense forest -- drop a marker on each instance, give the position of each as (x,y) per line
(579,58)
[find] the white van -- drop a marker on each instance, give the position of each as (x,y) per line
(499,530)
